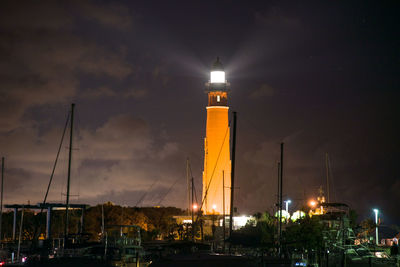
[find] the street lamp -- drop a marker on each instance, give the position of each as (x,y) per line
(287,205)
(376,225)
(312,203)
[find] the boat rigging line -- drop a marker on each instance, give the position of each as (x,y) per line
(212,174)
(55,163)
(145,193)
(169,190)
(330,180)
(51,177)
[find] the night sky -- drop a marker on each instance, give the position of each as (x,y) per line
(322,77)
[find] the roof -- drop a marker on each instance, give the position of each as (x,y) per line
(217,65)
(334,205)
(46,205)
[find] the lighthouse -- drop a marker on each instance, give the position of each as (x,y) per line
(217,162)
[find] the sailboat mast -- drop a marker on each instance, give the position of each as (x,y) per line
(1,201)
(188,184)
(193,228)
(20,233)
(327,175)
(69,172)
(280,201)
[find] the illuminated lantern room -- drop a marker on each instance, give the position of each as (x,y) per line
(217,88)
(217,163)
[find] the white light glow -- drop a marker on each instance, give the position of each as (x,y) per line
(214,207)
(217,77)
(298,215)
(284,214)
(241,221)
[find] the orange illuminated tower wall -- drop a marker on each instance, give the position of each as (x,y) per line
(217,162)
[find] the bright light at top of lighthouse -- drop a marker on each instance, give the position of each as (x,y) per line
(217,76)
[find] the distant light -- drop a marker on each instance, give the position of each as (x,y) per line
(195,207)
(241,221)
(187,221)
(297,215)
(284,215)
(217,77)
(380,254)
(376,210)
(214,207)
(312,203)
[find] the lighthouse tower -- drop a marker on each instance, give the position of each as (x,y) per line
(217,162)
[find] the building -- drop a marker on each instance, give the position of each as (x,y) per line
(217,162)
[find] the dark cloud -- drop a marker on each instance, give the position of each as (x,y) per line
(43,58)
(263,91)
(111,15)
(276,18)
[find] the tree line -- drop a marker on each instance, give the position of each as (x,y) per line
(155,222)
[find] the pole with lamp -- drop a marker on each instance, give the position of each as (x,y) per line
(287,202)
(376,211)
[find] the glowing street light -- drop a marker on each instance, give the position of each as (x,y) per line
(195,207)
(376,225)
(312,203)
(287,205)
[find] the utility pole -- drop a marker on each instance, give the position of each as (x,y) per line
(69,175)
(232,173)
